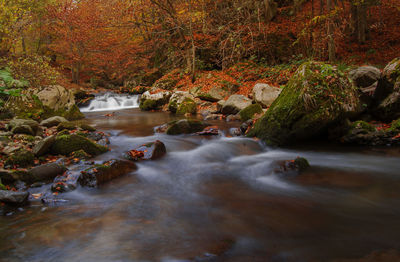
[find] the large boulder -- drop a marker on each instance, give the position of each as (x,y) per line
(234,104)
(150,101)
(317,96)
(11,197)
(66,144)
(250,111)
(100,174)
(149,151)
(213,94)
(18,123)
(387,93)
(56,97)
(365,76)
(181,103)
(265,94)
(73,113)
(185,126)
(53,121)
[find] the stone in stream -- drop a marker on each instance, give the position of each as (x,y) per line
(209,131)
(185,126)
(66,144)
(100,174)
(234,104)
(149,151)
(53,121)
(11,197)
(295,166)
(43,146)
(265,94)
(46,172)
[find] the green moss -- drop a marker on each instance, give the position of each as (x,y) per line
(187,106)
(66,144)
(2,187)
(317,96)
(395,126)
(66,126)
(185,126)
(363,125)
(63,133)
(21,158)
(74,114)
(173,106)
(80,154)
(248,112)
(301,163)
(148,105)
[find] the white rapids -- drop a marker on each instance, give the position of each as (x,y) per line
(110,101)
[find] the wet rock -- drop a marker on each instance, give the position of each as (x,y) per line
(209,131)
(43,146)
(265,94)
(46,172)
(53,121)
(233,118)
(21,158)
(302,111)
(100,174)
(149,151)
(66,182)
(295,166)
(234,104)
(66,144)
(250,111)
(235,131)
(362,133)
(244,127)
(214,117)
(87,127)
(11,197)
(185,126)
(66,126)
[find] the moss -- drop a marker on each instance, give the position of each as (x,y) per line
(87,127)
(248,112)
(317,96)
(185,126)
(80,154)
(66,126)
(64,132)
(148,105)
(74,114)
(187,106)
(22,158)
(301,163)
(395,126)
(66,144)
(363,125)
(173,106)
(2,187)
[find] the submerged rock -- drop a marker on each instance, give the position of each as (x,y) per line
(295,166)
(11,197)
(150,151)
(310,103)
(100,174)
(209,131)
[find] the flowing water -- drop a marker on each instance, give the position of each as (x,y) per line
(216,199)
(110,101)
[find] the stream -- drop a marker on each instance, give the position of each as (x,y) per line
(215,199)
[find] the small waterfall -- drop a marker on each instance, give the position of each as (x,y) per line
(110,101)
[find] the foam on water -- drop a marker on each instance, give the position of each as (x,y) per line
(112,102)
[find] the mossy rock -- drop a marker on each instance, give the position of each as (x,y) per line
(148,105)
(301,164)
(66,144)
(395,126)
(21,158)
(2,187)
(173,106)
(74,114)
(188,106)
(185,126)
(87,127)
(363,125)
(317,96)
(250,111)
(66,126)
(81,154)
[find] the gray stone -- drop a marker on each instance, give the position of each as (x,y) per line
(265,94)
(12,197)
(43,146)
(22,122)
(53,121)
(235,103)
(365,76)
(56,97)
(23,129)
(46,172)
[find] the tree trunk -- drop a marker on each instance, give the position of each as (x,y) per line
(331,41)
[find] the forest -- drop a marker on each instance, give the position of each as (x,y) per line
(200,130)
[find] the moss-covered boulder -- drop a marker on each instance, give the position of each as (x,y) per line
(177,99)
(21,158)
(185,126)
(147,105)
(234,104)
(316,97)
(154,101)
(66,144)
(74,113)
(395,126)
(165,83)
(66,126)
(188,106)
(87,127)
(53,121)
(250,111)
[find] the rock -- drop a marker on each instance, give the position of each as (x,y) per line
(165,83)
(234,104)
(213,94)
(149,151)
(56,97)
(308,105)
(182,103)
(233,118)
(24,122)
(100,174)
(5,113)
(244,127)
(6,176)
(250,111)
(11,197)
(161,129)
(66,144)
(53,121)
(365,76)
(292,167)
(46,172)
(21,158)
(150,101)
(265,94)
(74,113)
(66,126)
(8,150)
(23,129)
(220,105)
(209,131)
(87,127)
(185,126)
(43,146)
